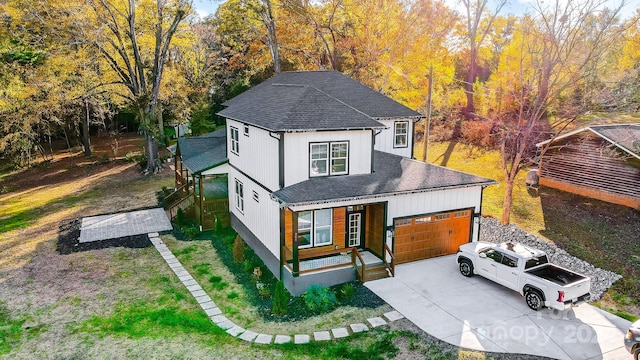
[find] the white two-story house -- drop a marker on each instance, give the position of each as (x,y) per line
(320,164)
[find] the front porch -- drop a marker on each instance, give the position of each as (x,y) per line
(335,245)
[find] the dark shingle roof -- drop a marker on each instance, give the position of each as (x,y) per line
(393,175)
(200,153)
(313,100)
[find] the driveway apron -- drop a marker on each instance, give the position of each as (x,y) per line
(479,314)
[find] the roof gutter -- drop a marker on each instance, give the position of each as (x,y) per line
(284,204)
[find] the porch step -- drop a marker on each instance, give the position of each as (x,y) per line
(374,272)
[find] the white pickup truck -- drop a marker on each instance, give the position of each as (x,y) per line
(525,270)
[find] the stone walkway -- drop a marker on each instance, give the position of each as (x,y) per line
(218,318)
(113,226)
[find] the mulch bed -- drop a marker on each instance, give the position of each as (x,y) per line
(69,234)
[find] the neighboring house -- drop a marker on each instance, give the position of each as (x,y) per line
(320,164)
(201,169)
(599,161)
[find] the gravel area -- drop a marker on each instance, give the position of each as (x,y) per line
(492,231)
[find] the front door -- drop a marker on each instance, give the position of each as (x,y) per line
(354,229)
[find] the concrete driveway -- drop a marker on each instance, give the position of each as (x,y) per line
(478,314)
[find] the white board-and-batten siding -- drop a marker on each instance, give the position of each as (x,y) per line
(258,156)
(261,217)
(385,140)
(297,147)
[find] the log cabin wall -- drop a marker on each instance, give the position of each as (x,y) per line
(588,165)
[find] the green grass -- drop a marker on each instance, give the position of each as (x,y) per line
(11,330)
(144,320)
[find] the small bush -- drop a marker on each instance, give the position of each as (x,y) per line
(319,299)
(191,231)
(280,299)
(233,295)
(238,249)
(264,290)
(180,217)
(347,291)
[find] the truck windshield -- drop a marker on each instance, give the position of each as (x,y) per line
(535,261)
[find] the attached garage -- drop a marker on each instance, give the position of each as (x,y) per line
(431,235)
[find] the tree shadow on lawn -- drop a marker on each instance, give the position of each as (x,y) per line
(69,235)
(601,233)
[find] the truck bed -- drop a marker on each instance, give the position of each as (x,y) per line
(556,275)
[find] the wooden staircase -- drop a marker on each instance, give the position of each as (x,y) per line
(369,267)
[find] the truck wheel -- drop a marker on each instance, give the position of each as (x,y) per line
(636,354)
(534,300)
(466,268)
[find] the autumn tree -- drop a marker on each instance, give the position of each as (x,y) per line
(479,21)
(134,39)
(552,51)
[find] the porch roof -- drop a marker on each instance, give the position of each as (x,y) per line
(393,175)
(200,153)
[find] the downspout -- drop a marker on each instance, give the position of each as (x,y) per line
(201,201)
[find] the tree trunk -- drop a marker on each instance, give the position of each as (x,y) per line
(86,140)
(153,158)
(506,205)
(470,81)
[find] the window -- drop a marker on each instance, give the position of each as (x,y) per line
(401,222)
(441,217)
(423,219)
(510,261)
(324,154)
(493,255)
(315,228)
(401,132)
(239,196)
(319,159)
(246,130)
(339,154)
(536,261)
(235,141)
(256,197)
(462,213)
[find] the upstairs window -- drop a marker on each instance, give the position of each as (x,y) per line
(319,159)
(235,140)
(239,196)
(401,133)
(246,130)
(329,159)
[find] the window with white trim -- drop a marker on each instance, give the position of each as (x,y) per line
(315,228)
(329,158)
(239,196)
(246,130)
(235,140)
(401,133)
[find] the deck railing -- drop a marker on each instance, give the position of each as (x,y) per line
(184,203)
(176,196)
(391,264)
(358,264)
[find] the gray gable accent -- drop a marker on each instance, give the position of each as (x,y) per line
(203,152)
(313,100)
(392,174)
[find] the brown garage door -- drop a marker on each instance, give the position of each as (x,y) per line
(432,235)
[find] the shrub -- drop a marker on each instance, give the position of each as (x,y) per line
(191,231)
(218,225)
(319,299)
(347,291)
(280,299)
(217,283)
(263,289)
(238,249)
(180,217)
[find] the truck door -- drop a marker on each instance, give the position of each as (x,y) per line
(508,271)
(488,261)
